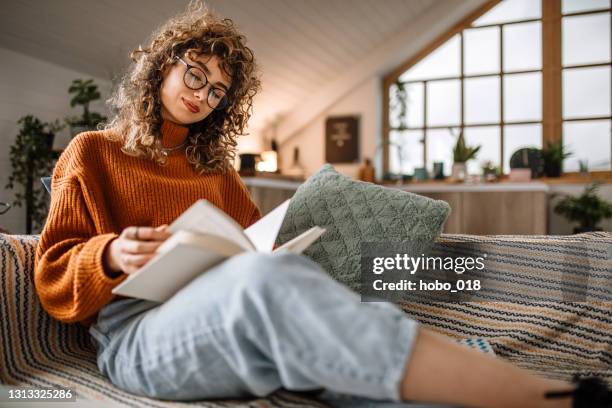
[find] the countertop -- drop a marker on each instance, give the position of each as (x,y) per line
(413,187)
(542,185)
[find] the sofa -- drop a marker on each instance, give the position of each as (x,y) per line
(555,339)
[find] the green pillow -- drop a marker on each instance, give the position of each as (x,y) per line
(353,212)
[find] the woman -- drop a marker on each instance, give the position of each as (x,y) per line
(256,322)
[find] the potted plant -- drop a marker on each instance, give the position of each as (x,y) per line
(588,209)
(490,171)
(31,158)
(83,93)
(461,154)
(553,154)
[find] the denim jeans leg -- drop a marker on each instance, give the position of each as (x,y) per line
(253,324)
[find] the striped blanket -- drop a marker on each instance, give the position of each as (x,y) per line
(556,339)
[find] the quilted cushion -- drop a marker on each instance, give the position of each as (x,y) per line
(353,212)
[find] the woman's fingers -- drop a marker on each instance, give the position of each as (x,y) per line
(137,247)
(135,260)
(146,233)
(152,234)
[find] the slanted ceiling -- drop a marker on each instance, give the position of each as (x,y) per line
(303,46)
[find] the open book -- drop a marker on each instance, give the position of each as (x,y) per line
(202,237)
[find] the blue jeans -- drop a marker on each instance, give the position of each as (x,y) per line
(251,325)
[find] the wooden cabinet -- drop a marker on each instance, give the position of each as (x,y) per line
(495,212)
(268,198)
(454,222)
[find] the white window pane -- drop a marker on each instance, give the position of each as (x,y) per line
(442,62)
(523,46)
(586,92)
(440,143)
(586,39)
(443,99)
(523,97)
(511,10)
(414,106)
(588,140)
(409,144)
(573,6)
(520,136)
(482,100)
(487,137)
(481,47)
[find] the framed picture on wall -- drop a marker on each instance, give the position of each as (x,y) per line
(342,139)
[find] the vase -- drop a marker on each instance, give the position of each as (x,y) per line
(552,169)
(50,140)
(459,172)
(438,170)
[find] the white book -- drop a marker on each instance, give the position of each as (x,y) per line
(202,237)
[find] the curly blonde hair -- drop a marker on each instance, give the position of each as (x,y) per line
(136,101)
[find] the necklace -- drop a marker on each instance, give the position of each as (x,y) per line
(167,150)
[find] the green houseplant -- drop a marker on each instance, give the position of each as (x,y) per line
(553,154)
(83,93)
(588,209)
(32,157)
(462,153)
(401,104)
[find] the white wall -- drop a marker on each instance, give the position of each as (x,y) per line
(32,86)
(363,101)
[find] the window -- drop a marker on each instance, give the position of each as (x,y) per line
(586,74)
(490,78)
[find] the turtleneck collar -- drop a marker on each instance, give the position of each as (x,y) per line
(173,134)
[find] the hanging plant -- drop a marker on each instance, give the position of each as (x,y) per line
(401,94)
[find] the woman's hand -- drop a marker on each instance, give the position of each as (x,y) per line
(133,248)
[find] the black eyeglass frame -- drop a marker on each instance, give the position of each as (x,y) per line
(223,102)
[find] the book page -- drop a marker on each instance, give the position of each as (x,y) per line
(263,233)
(204,218)
(298,244)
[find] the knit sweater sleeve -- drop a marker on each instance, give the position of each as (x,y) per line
(238,202)
(69,269)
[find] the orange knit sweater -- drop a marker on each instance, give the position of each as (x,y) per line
(97,191)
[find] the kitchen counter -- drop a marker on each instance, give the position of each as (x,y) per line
(414,187)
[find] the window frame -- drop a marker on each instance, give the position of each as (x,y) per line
(551,76)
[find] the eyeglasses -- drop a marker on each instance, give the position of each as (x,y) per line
(196,79)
